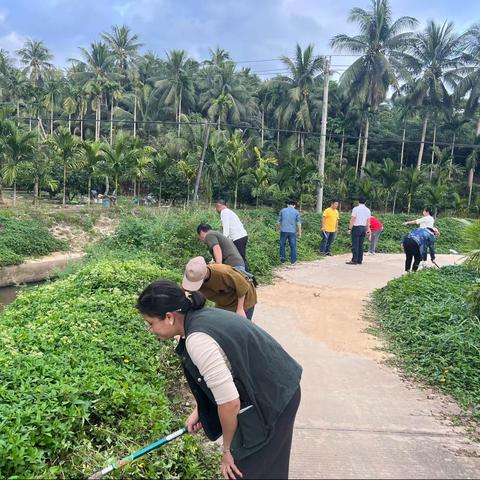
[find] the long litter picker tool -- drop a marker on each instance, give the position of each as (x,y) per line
(126,460)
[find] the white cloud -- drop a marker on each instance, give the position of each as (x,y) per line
(12,42)
(142,9)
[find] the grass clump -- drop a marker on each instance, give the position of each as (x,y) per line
(20,239)
(432,330)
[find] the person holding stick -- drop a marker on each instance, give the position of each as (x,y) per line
(416,244)
(251,399)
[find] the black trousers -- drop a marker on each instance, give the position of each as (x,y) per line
(241,244)
(358,237)
(273,460)
(412,252)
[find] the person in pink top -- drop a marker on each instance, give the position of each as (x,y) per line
(376,228)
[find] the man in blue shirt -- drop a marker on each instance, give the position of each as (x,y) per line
(290,224)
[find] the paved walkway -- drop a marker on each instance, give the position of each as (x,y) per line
(358,418)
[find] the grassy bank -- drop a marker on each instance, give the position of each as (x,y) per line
(433,331)
(23,238)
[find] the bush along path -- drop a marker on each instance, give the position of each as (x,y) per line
(433,330)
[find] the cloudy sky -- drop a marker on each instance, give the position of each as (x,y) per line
(250,30)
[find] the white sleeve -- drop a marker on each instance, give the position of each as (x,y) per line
(213,365)
(225,217)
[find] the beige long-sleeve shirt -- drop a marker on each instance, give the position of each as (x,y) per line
(213,365)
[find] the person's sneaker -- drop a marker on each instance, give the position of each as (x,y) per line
(351,263)
(323,254)
(294,264)
(328,254)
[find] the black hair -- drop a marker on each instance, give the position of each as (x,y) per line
(362,199)
(204,227)
(334,201)
(221,201)
(292,202)
(164,296)
(429,210)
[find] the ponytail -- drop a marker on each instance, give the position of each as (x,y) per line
(164,296)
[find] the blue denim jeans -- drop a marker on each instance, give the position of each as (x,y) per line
(327,240)
(292,240)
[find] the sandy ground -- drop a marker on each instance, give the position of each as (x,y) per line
(358,418)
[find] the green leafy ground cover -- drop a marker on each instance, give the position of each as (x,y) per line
(21,238)
(433,331)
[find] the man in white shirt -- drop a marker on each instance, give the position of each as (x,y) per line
(233,228)
(358,228)
(426,221)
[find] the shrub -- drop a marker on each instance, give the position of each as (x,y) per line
(430,327)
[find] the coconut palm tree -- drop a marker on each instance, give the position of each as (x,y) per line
(177,88)
(124,46)
(36,58)
(53,87)
(304,73)
(471,164)
(433,60)
(66,147)
(236,166)
(18,148)
(94,73)
(381,43)
(41,172)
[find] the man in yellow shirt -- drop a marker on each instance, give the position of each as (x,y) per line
(329,227)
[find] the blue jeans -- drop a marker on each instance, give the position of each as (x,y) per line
(292,240)
(327,240)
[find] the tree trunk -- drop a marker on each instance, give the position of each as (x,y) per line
(64,199)
(107,185)
(1,194)
(451,156)
(116,185)
(342,147)
(358,150)
(135,116)
(200,166)
(70,122)
(179,110)
(263,126)
(402,152)
(30,124)
(160,194)
(433,149)
(422,142)
(409,203)
(35,191)
(89,189)
(14,193)
(51,120)
(134,187)
(302,144)
(111,123)
(236,193)
(81,126)
(98,118)
(365,147)
(18,113)
(470,185)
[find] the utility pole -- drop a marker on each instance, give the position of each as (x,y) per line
(323,134)
(200,167)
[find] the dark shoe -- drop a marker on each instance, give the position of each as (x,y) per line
(328,254)
(323,254)
(351,263)
(282,260)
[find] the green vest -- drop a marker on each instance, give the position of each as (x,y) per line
(265,375)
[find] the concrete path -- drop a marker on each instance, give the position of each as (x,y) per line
(358,418)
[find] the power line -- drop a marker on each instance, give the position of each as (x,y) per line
(371,139)
(292,58)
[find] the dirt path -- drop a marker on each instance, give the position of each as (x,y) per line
(357,419)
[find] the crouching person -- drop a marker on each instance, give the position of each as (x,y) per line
(246,387)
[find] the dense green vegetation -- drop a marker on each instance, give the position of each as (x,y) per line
(118,120)
(21,238)
(83,381)
(433,330)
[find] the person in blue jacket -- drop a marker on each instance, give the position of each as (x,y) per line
(417,244)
